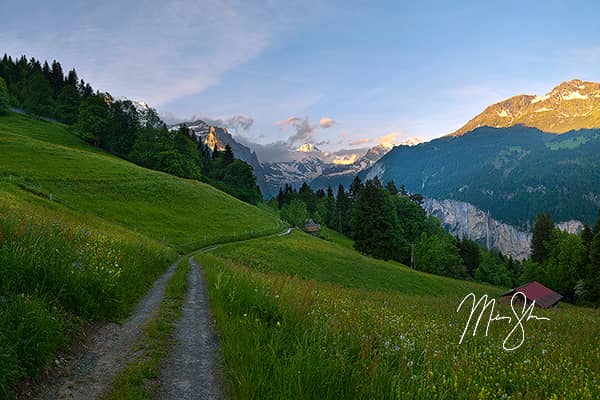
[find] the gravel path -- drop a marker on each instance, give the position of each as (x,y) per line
(109,350)
(192,370)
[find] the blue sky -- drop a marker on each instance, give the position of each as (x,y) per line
(384,72)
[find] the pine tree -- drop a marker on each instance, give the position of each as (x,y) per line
(330,208)
(72,78)
(228,155)
(342,211)
(85,89)
(4,98)
(374,223)
(403,191)
(57,78)
(593,279)
(595,254)
(543,228)
(295,213)
(355,189)
(241,182)
(37,95)
(46,71)
(391,187)
(93,118)
(470,253)
(280,198)
(596,229)
(307,195)
(67,105)
(587,236)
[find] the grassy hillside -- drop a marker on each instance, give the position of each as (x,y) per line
(312,258)
(301,317)
(84,234)
(47,160)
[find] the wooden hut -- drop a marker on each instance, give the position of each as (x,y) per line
(311,227)
(534,291)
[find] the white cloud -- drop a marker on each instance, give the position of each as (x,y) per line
(359,141)
(158,52)
(326,122)
(388,140)
(346,159)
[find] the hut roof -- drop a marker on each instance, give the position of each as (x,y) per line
(535,291)
(310,226)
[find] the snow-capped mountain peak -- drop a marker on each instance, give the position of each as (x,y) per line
(308,148)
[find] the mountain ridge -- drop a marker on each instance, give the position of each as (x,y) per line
(513,172)
(571,105)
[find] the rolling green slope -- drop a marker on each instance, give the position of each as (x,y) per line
(305,318)
(84,234)
(312,258)
(49,161)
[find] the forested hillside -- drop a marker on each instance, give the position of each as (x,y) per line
(513,172)
(130,130)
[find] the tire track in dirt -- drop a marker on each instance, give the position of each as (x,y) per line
(192,371)
(108,351)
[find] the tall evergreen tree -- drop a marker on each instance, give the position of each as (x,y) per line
(37,95)
(307,195)
(57,78)
(374,223)
(355,188)
(4,98)
(93,118)
(402,191)
(391,187)
(587,236)
(595,255)
(543,228)
(330,208)
(228,155)
(67,105)
(72,78)
(85,89)
(46,71)
(121,128)
(295,213)
(470,252)
(343,212)
(241,182)
(596,229)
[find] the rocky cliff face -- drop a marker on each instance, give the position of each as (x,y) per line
(465,220)
(571,105)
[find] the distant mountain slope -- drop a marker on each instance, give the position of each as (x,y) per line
(571,105)
(318,173)
(343,174)
(295,172)
(514,172)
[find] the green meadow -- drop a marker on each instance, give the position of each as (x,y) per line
(302,317)
(47,160)
(84,234)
